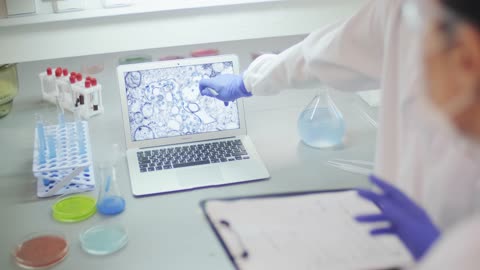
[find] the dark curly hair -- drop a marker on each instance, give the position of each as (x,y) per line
(467,9)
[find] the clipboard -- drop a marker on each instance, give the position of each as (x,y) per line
(239,249)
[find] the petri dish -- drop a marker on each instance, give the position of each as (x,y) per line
(170,57)
(74,208)
(103,239)
(134,59)
(41,250)
(204,52)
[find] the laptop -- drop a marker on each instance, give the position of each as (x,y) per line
(177,139)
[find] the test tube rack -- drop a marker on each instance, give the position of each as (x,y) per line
(62,159)
(72,90)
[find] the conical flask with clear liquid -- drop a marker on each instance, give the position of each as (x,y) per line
(321,124)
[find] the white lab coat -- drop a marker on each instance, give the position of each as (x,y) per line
(375,48)
(458,249)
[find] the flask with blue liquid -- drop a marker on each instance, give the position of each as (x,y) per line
(321,124)
(110,200)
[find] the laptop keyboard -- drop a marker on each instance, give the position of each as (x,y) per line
(191,155)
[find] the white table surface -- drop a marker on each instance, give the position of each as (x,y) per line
(167,231)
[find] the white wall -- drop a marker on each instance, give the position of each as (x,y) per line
(23,43)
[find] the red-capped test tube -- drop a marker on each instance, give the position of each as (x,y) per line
(95,95)
(58,72)
(87,85)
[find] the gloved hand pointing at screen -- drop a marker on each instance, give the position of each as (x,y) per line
(227,87)
(406,219)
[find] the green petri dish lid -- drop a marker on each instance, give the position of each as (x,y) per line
(41,250)
(74,208)
(103,239)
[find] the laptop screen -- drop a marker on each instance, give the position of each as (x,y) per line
(166,102)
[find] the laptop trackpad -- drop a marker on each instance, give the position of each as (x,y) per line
(199,177)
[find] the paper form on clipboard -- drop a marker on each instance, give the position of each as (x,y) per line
(302,231)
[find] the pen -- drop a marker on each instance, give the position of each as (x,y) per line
(215,93)
(212,91)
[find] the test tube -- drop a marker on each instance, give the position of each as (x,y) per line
(87,85)
(79,85)
(60,113)
(61,123)
(95,93)
(72,93)
(52,150)
(58,78)
(41,138)
(79,129)
(50,83)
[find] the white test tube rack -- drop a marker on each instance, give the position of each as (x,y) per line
(62,162)
(48,87)
(91,97)
(52,87)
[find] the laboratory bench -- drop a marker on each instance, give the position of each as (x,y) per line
(168,231)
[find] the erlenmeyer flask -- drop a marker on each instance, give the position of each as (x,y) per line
(321,124)
(110,200)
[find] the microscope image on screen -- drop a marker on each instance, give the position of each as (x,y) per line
(166,102)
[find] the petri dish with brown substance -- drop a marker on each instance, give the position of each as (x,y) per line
(41,250)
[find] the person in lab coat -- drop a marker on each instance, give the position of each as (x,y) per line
(377,47)
(452,101)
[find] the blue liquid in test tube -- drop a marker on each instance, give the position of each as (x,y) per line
(41,142)
(52,151)
(61,120)
(81,138)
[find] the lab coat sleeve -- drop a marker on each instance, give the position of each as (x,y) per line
(458,249)
(347,55)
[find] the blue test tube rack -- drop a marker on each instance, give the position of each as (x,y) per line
(62,159)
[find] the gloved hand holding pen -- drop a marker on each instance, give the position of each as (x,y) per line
(407,220)
(227,87)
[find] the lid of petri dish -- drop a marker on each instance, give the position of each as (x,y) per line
(103,239)
(74,208)
(204,52)
(41,250)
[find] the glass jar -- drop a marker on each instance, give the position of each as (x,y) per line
(8,87)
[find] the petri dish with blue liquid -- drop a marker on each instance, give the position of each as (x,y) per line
(104,239)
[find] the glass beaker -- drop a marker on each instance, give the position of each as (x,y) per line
(110,200)
(8,87)
(321,124)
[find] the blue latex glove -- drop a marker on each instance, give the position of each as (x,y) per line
(227,87)
(407,220)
